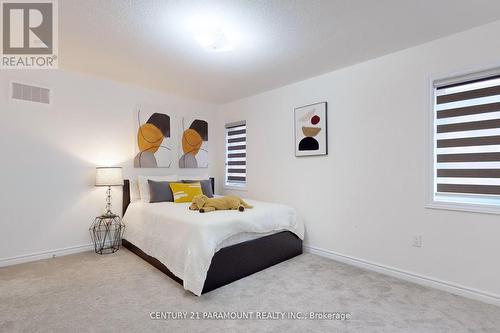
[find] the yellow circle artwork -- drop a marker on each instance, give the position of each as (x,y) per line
(191,142)
(149,138)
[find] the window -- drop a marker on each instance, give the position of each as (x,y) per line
(466,154)
(236,154)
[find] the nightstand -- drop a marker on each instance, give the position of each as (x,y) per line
(106,233)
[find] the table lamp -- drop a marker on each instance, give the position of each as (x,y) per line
(109,176)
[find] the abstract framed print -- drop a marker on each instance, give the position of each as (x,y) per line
(153,137)
(311,132)
(194,143)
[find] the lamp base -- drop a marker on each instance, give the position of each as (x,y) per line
(109,213)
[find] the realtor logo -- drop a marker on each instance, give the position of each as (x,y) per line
(29,34)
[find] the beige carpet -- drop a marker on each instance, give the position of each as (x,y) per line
(115,293)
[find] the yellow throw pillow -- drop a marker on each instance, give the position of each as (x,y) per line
(184,192)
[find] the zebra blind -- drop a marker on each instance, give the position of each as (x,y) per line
(467,140)
(236,154)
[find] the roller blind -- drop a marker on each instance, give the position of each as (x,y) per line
(236,154)
(467,140)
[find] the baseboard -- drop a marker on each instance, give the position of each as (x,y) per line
(408,276)
(45,255)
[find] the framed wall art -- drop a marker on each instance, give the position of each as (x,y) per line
(194,143)
(311,132)
(153,140)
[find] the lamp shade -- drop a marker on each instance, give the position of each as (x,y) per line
(110,176)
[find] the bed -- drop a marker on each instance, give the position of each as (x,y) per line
(222,247)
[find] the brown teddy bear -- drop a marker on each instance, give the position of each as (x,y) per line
(204,204)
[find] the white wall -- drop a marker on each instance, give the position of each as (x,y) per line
(49,153)
(366,198)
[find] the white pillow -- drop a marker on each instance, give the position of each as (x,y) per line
(135,195)
(144,185)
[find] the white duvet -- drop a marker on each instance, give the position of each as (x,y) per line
(185,241)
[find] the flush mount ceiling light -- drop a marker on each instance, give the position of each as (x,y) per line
(215,41)
(213,34)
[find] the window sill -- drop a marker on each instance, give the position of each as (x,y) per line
(464,207)
(235,188)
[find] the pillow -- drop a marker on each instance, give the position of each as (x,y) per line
(135,195)
(160,192)
(206,186)
(184,192)
(144,186)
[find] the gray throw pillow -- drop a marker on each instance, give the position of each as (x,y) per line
(206,186)
(160,191)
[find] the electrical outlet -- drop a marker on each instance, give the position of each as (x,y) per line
(417,241)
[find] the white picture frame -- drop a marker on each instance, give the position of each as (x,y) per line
(311,130)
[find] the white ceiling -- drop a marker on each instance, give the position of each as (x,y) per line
(147,42)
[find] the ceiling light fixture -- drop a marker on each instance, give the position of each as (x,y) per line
(212,33)
(215,41)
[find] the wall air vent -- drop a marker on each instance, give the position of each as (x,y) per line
(28,93)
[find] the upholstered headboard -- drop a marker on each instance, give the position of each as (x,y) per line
(126,193)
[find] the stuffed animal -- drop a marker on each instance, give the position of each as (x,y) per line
(204,204)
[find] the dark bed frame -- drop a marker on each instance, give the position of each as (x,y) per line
(233,262)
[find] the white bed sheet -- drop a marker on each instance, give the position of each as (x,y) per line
(185,241)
